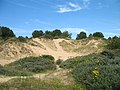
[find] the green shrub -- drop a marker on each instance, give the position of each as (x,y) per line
(22,39)
(48,57)
(73,62)
(108,54)
(34,64)
(59,61)
(1,66)
(28,66)
(114,43)
(101,73)
(13,72)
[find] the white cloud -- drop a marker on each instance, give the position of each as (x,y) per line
(71,7)
(36,22)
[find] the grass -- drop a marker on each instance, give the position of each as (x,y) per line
(67,46)
(85,46)
(37,84)
(36,44)
(49,43)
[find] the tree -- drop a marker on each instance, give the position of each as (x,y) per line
(66,34)
(115,37)
(98,34)
(114,43)
(6,33)
(109,38)
(22,39)
(48,34)
(90,35)
(81,35)
(56,32)
(37,33)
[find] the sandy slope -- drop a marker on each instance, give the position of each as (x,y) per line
(12,51)
(58,54)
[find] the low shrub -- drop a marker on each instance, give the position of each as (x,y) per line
(73,62)
(28,66)
(109,54)
(21,39)
(59,61)
(34,64)
(101,73)
(48,57)
(13,72)
(114,43)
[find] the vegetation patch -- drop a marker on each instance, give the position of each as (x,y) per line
(59,61)
(73,62)
(67,46)
(29,65)
(97,72)
(114,43)
(36,84)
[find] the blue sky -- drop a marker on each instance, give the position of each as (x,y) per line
(25,16)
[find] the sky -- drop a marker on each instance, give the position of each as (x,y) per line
(25,16)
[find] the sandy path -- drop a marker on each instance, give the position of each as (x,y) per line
(5,79)
(44,76)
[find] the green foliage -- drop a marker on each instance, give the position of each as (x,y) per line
(66,35)
(114,43)
(59,61)
(108,54)
(37,84)
(115,37)
(109,38)
(48,57)
(51,34)
(73,62)
(34,64)
(90,35)
(21,39)
(98,72)
(56,33)
(28,66)
(6,33)
(37,33)
(13,72)
(81,35)
(98,34)
(48,34)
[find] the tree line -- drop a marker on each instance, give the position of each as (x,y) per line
(6,33)
(51,34)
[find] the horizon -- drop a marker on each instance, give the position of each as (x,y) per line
(90,16)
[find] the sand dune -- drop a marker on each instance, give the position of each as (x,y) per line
(58,48)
